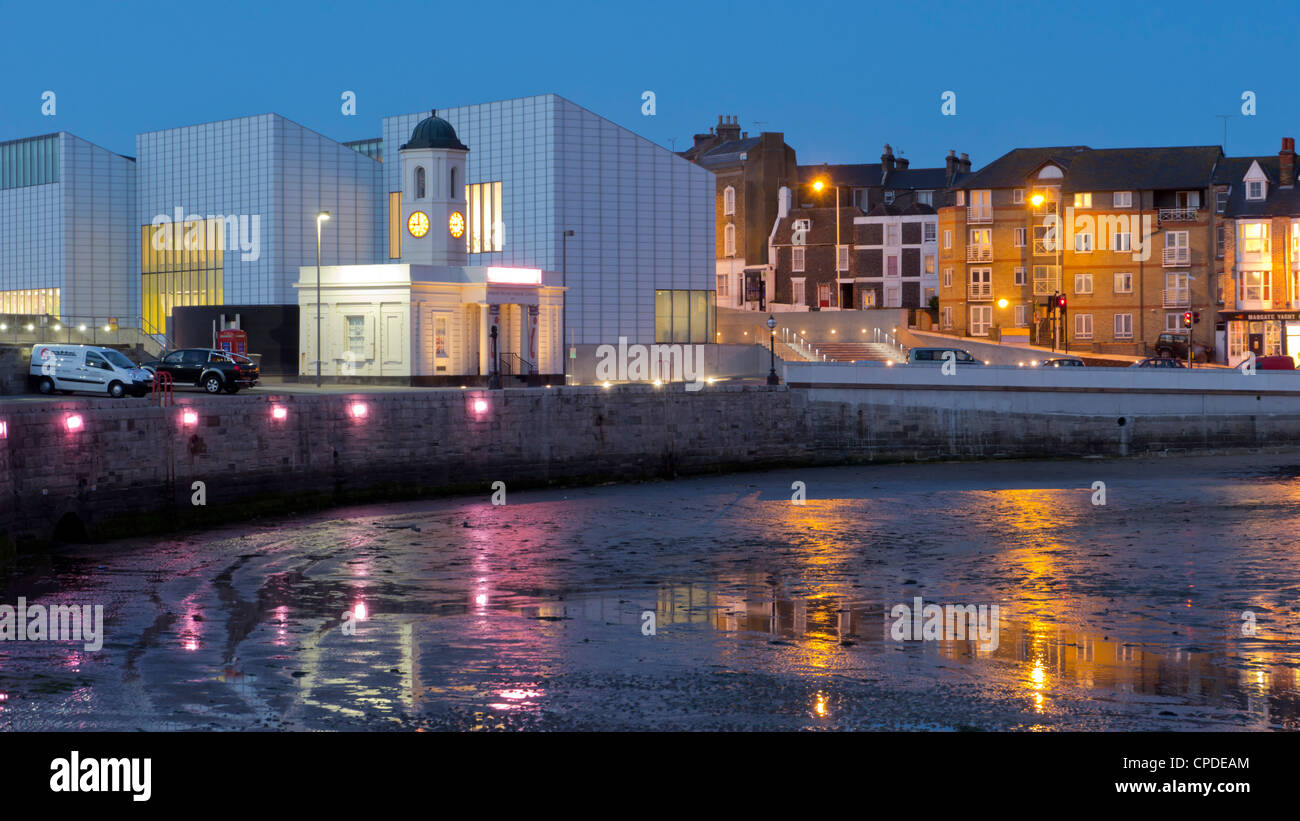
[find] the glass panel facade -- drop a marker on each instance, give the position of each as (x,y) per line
(685,316)
(180,264)
(33,161)
(395,225)
(33,301)
(486,229)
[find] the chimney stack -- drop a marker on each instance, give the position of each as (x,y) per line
(1286,162)
(950,163)
(887,158)
(728,128)
(965,163)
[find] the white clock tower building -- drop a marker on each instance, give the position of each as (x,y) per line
(433,195)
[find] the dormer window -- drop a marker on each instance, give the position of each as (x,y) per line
(1256,183)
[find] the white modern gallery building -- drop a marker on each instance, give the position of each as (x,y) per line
(567,229)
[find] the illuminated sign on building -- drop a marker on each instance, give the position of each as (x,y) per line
(515,276)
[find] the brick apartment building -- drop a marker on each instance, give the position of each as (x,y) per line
(1258,243)
(1136,249)
(879,250)
(749,172)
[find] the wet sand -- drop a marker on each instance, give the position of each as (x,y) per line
(461,615)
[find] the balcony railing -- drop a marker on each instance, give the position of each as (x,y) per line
(1044,248)
(981,290)
(979,213)
(1176,256)
(979,253)
(1177,297)
(1179,214)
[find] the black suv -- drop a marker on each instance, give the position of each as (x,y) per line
(208,368)
(1175,346)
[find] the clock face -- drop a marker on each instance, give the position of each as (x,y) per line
(418,224)
(456,224)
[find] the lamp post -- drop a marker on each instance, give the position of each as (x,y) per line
(564,281)
(322,217)
(772,378)
(494,376)
(839,288)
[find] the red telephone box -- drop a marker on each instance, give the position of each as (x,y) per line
(233,340)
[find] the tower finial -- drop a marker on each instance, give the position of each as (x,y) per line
(433,113)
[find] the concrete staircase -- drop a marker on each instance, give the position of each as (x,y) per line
(859,352)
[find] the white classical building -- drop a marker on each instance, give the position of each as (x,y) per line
(431,318)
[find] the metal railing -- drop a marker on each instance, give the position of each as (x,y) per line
(980,290)
(979,253)
(979,213)
(1176,297)
(1178,214)
(1176,256)
(512,364)
(30,329)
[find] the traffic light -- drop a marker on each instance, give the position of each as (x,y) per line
(1060,303)
(1196,317)
(1187,319)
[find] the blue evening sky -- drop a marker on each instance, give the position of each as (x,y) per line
(840,79)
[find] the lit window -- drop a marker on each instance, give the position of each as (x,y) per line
(485,230)
(1083,200)
(1254,237)
(357,336)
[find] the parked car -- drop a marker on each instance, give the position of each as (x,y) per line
(1158,362)
(935,356)
(1175,345)
(1062,362)
(89,368)
(1275,363)
(208,368)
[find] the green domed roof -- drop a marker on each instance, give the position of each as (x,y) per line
(435,132)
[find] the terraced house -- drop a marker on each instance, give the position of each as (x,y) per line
(1258,243)
(1125,235)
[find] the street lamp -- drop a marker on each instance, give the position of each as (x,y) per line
(772,378)
(321,218)
(494,375)
(818,185)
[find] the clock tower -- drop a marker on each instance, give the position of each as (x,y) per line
(433,195)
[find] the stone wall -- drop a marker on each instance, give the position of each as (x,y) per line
(130,461)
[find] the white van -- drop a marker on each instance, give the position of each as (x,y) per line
(90,368)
